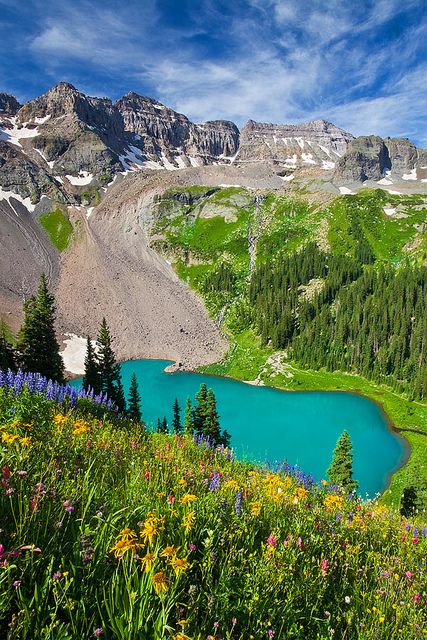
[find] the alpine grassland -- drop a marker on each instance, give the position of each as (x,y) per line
(58,228)
(313,294)
(114,532)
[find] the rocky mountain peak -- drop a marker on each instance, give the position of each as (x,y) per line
(9,105)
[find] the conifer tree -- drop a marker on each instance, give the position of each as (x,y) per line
(188,418)
(211,421)
(176,421)
(38,346)
(91,378)
(200,410)
(109,369)
(134,401)
(162,426)
(119,395)
(7,354)
(341,469)
(408,503)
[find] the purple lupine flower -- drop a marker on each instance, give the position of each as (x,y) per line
(238,503)
(215,482)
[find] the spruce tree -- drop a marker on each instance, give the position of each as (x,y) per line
(7,354)
(188,419)
(134,401)
(176,421)
(341,469)
(200,410)
(109,369)
(91,378)
(211,421)
(119,395)
(162,426)
(38,346)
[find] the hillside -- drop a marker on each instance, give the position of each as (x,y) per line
(110,531)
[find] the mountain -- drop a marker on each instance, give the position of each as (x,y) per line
(66,146)
(311,143)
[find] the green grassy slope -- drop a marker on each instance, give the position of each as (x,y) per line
(58,227)
(109,531)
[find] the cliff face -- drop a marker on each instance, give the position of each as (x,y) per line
(161,133)
(312,143)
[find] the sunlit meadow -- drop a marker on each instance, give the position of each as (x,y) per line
(108,531)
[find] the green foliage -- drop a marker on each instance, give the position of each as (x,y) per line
(134,401)
(91,378)
(176,422)
(58,227)
(7,352)
(341,470)
(109,369)
(95,515)
(37,345)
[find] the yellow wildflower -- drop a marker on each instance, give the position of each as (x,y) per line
(332,502)
(188,497)
(26,441)
(9,438)
(59,419)
(231,484)
(127,542)
(147,561)
(189,521)
(149,530)
(160,582)
(80,427)
(168,552)
(180,636)
(179,564)
(255,508)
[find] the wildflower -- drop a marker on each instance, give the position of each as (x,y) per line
(99,631)
(238,503)
(26,441)
(9,438)
(180,636)
(10,491)
(271,540)
(188,497)
(347,599)
(255,508)
(332,502)
(149,530)
(80,427)
(160,582)
(57,575)
(168,552)
(147,561)
(192,547)
(59,419)
(127,542)
(16,584)
(188,521)
(179,564)
(231,484)
(324,567)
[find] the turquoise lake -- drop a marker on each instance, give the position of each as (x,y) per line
(267,424)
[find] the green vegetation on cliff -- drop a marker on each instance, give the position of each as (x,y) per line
(58,227)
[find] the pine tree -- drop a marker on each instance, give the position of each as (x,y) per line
(38,347)
(188,419)
(408,504)
(7,354)
(162,426)
(200,410)
(211,421)
(341,469)
(119,395)
(176,422)
(134,401)
(91,378)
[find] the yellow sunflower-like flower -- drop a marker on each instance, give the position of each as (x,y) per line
(179,564)
(188,497)
(80,427)
(9,438)
(149,530)
(26,441)
(147,561)
(59,419)
(160,582)
(168,552)
(333,502)
(232,484)
(255,508)
(188,521)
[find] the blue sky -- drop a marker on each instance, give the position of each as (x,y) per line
(360,64)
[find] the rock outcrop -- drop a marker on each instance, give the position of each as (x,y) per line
(366,158)
(9,105)
(308,144)
(167,137)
